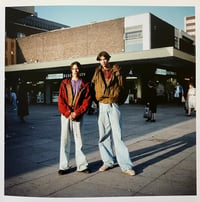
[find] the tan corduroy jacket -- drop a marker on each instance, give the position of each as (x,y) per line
(114,91)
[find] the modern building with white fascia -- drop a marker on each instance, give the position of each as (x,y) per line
(145,46)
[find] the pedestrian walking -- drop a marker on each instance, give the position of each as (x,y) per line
(151,101)
(14,99)
(22,101)
(191,99)
(73,102)
(178,93)
(109,91)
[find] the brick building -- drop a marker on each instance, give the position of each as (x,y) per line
(145,47)
(75,42)
(21,22)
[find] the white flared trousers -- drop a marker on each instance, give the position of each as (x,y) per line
(69,128)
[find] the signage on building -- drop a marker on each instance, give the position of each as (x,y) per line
(164,72)
(61,76)
(54,76)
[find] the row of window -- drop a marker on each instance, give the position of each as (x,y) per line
(190,21)
(190,27)
(40,23)
(133,35)
(133,38)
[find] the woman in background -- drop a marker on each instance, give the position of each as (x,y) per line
(191,98)
(151,100)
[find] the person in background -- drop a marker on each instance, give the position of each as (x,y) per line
(14,99)
(151,100)
(191,98)
(73,101)
(22,101)
(178,92)
(110,92)
(160,92)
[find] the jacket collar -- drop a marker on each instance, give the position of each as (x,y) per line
(115,68)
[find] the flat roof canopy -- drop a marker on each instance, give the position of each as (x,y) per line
(166,57)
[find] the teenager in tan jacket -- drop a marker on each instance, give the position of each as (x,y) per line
(109,92)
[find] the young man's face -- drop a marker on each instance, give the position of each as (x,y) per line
(103,61)
(75,70)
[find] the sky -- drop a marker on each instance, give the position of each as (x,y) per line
(82,15)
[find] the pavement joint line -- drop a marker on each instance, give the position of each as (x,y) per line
(63,188)
(26,181)
(41,162)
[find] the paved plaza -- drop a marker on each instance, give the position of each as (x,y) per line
(163,154)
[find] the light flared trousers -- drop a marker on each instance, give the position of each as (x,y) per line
(69,128)
(109,122)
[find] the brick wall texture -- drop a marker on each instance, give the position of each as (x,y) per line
(83,41)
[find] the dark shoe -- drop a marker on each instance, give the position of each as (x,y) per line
(153,120)
(148,120)
(63,172)
(87,171)
(188,115)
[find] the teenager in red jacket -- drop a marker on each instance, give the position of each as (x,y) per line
(73,101)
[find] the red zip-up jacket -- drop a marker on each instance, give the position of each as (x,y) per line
(67,103)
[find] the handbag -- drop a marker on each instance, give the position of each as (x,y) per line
(147,113)
(182,99)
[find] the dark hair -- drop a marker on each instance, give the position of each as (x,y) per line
(75,63)
(151,83)
(191,83)
(104,54)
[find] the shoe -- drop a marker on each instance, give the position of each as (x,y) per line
(188,115)
(87,171)
(104,168)
(129,172)
(153,120)
(63,172)
(148,120)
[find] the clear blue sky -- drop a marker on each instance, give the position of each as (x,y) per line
(82,15)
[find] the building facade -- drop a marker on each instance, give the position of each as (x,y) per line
(22,22)
(145,47)
(190,25)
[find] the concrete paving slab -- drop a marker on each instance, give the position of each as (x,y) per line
(163,187)
(84,189)
(187,165)
(28,176)
(117,180)
(180,175)
(46,184)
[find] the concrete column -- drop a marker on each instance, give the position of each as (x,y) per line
(139,88)
(48,93)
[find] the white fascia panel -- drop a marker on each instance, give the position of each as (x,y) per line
(144,20)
